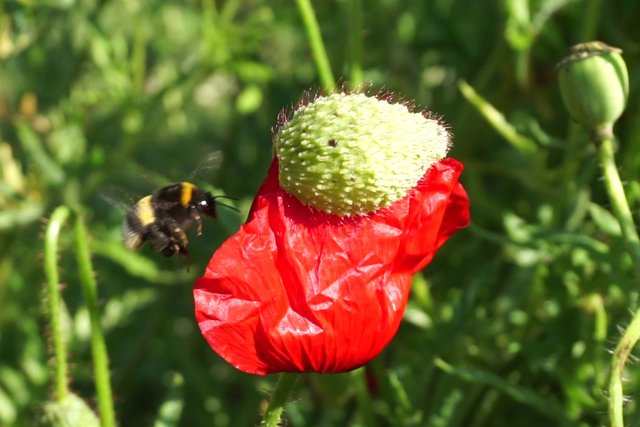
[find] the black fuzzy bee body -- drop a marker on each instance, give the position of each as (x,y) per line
(162,218)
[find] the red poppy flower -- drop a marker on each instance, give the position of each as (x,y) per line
(299,290)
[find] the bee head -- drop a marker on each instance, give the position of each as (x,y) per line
(206,204)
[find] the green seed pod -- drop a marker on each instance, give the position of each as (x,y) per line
(351,154)
(71,411)
(594,84)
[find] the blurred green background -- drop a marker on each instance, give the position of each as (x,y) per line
(103,101)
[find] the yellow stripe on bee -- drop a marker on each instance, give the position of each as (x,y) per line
(145,211)
(187,194)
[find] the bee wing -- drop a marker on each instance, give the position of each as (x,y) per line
(118,198)
(132,238)
(211,162)
(124,203)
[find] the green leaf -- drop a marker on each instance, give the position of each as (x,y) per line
(604,220)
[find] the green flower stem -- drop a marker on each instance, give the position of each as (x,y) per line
(631,335)
(617,197)
(98,346)
(317,45)
(620,355)
(58,218)
(497,120)
(271,417)
(600,312)
(355,43)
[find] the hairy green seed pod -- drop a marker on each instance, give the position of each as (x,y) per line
(69,412)
(594,84)
(352,154)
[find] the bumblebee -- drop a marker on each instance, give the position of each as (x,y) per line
(163,218)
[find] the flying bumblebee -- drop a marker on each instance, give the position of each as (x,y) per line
(163,217)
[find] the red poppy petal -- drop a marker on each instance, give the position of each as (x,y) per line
(440,207)
(298,290)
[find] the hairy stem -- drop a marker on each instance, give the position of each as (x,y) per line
(631,335)
(271,417)
(620,356)
(98,346)
(61,381)
(617,197)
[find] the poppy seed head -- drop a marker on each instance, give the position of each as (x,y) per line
(352,154)
(594,84)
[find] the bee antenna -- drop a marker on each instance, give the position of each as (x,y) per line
(233,208)
(224,197)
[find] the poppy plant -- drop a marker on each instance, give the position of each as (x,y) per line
(357,199)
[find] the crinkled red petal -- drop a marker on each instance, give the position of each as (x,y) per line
(298,290)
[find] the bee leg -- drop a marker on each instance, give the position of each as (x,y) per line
(169,250)
(181,236)
(178,241)
(174,247)
(198,221)
(159,240)
(188,260)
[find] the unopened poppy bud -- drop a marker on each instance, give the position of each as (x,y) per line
(594,85)
(352,154)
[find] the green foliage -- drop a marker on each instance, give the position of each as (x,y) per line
(101,102)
